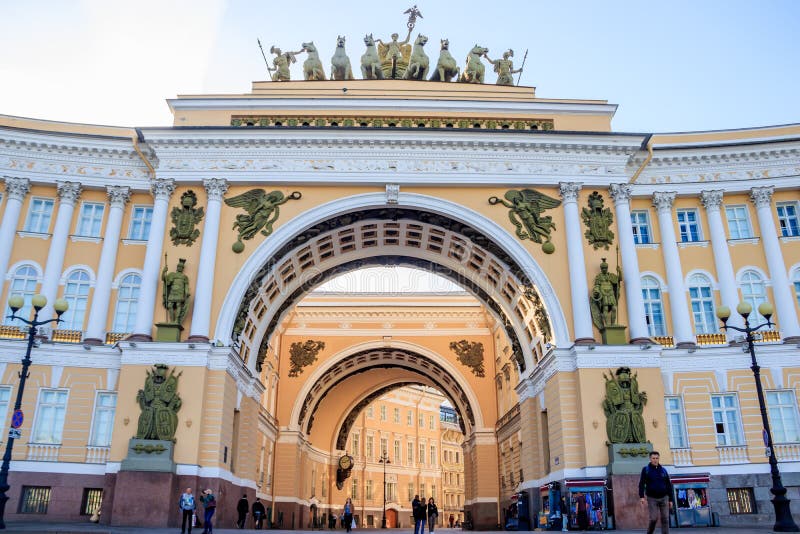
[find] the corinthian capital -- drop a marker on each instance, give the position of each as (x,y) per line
(162,188)
(118,194)
(215,188)
(17,188)
(762,196)
(68,192)
(663,200)
(711,200)
(569,191)
(620,193)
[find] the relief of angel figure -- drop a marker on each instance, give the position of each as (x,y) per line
(526,208)
(262,211)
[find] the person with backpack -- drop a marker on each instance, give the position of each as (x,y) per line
(258,513)
(187,506)
(655,490)
(210,504)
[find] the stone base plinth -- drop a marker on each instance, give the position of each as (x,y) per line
(628,458)
(614,335)
(629,513)
(168,332)
(145,499)
(149,455)
(483,515)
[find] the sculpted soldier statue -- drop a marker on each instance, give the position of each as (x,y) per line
(175,296)
(160,402)
(281,64)
(623,407)
(504,67)
(605,297)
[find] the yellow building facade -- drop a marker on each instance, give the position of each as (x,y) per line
(302,181)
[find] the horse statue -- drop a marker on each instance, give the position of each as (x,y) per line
(370,62)
(418,63)
(446,68)
(312,67)
(474,71)
(340,63)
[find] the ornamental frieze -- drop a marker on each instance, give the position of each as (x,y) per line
(74,170)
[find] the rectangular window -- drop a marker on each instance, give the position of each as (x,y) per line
(141,216)
(49,417)
(410,491)
(689,225)
(384,447)
(410,452)
(5,397)
(676,426)
(457,457)
(369,452)
(91,501)
(421,421)
(788,219)
(410,418)
(433,454)
(391,491)
(433,491)
(738,222)
(91,218)
(35,500)
(421,456)
(431,422)
(396,415)
(783,416)
(354,445)
(726,420)
(39,215)
(422,491)
(641,227)
(354,489)
(368,490)
(705,321)
(741,501)
(103,422)
(370,521)
(370,412)
(383,412)
(397,453)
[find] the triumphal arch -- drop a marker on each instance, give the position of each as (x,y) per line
(195,352)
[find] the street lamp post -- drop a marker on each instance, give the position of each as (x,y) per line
(15,303)
(384,459)
(783,513)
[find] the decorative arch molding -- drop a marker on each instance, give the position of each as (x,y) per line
(78,267)
(702,272)
(122,274)
(662,285)
(752,268)
(286,265)
(11,271)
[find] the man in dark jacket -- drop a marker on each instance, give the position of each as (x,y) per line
(258,513)
(655,490)
(242,507)
(419,511)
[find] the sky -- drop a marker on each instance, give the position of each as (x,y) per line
(677,65)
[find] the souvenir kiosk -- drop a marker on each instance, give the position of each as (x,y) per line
(550,511)
(692,508)
(591,494)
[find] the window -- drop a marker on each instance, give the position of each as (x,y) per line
(738,222)
(384,446)
(397,453)
(370,412)
(369,451)
(457,457)
(354,445)
(35,500)
(688,225)
(49,416)
(641,227)
(39,215)
(391,491)
(383,412)
(91,501)
(726,420)
(23,283)
(91,219)
(431,422)
(396,415)
(701,296)
(433,490)
(410,491)
(127,303)
(653,308)
(741,501)
(754,292)
(788,220)
(421,456)
(140,222)
(410,418)
(433,454)
(368,490)
(783,416)
(422,491)
(796,282)
(421,421)
(76,293)
(410,452)
(354,489)
(103,422)
(675,423)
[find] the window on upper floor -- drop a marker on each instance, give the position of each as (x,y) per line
(689,225)
(90,220)
(5,397)
(431,422)
(738,222)
(369,452)
(141,216)
(23,283)
(354,489)
(39,215)
(105,405)
(641,227)
(421,420)
(410,418)
(76,293)
(783,417)
(396,415)
(410,452)
(127,303)
(796,283)
(727,426)
(433,454)
(368,491)
(702,299)
(370,412)
(753,291)
(384,447)
(676,425)
(383,412)
(397,452)
(421,456)
(354,445)
(49,417)
(653,307)
(788,219)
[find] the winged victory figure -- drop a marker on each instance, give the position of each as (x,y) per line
(262,212)
(526,208)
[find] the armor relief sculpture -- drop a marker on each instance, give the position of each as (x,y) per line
(303,354)
(623,407)
(598,220)
(525,213)
(262,212)
(185,219)
(470,353)
(159,401)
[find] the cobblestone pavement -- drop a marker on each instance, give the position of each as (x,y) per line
(84,528)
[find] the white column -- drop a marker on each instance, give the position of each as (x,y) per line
(784,294)
(16,189)
(681,326)
(621,195)
(579,287)
(162,190)
(729,296)
(68,194)
(98,314)
(201,314)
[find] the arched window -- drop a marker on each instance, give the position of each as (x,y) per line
(23,283)
(653,308)
(702,298)
(76,293)
(796,282)
(755,292)
(127,301)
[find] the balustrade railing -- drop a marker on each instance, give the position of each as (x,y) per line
(711,339)
(97,455)
(732,454)
(682,456)
(664,341)
(787,452)
(43,452)
(67,336)
(113,337)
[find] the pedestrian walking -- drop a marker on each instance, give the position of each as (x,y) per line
(433,515)
(187,506)
(419,512)
(347,514)
(258,513)
(242,507)
(655,490)
(210,505)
